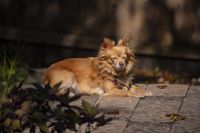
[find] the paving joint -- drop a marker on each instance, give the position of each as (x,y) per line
(182,101)
(133,111)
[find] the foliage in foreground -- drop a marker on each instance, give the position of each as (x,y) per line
(35,107)
(11,70)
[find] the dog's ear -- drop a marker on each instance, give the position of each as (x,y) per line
(107,44)
(124,41)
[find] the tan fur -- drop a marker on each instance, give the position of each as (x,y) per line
(97,75)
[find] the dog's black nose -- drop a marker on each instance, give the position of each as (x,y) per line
(121,64)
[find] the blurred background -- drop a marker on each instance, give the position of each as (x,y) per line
(165,34)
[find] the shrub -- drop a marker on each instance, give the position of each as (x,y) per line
(35,107)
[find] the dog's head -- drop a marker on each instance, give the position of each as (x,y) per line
(119,55)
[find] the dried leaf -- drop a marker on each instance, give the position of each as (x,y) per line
(175,117)
(113,112)
(162,87)
(94,125)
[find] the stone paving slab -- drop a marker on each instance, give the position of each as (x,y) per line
(190,125)
(149,116)
(194,91)
(142,86)
(154,109)
(115,126)
(167,90)
(124,105)
(92,99)
(147,127)
(191,110)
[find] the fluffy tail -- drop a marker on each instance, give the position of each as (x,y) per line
(45,77)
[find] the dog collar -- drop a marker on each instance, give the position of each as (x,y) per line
(117,84)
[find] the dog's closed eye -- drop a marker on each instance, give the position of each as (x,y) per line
(113,58)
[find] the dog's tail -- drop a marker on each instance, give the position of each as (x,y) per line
(45,77)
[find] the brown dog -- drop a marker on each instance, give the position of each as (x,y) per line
(108,74)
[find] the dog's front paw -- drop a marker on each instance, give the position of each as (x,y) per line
(143,94)
(139,92)
(148,93)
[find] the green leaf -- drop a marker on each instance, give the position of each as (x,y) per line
(64,99)
(90,110)
(4,100)
(16,124)
(44,128)
(7,122)
(74,98)
(39,117)
(55,88)
(26,106)
(19,112)
(58,113)
(38,86)
(20,84)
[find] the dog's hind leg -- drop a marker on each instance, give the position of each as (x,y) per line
(67,79)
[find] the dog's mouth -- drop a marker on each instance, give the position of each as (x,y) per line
(120,67)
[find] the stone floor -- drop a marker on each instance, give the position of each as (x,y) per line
(148,115)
